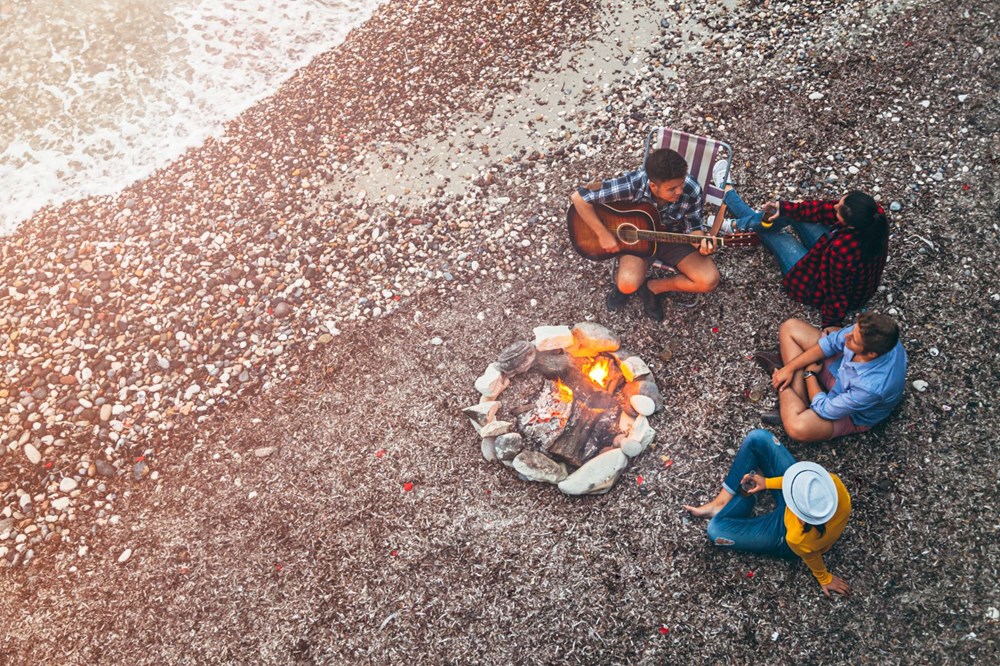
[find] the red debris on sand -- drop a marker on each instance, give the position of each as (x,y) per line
(278,567)
(715,329)
(664,630)
(639,480)
(380,453)
(394,552)
(667,464)
(407,487)
(965,187)
(749,574)
(139,458)
(48,465)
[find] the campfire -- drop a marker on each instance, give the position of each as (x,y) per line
(579,411)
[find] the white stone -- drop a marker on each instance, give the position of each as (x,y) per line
(634,367)
(643,404)
(60,503)
(925,103)
(597,475)
(488,445)
(550,338)
(67,485)
(481,414)
(492,382)
(920,385)
(34,457)
(625,422)
(632,447)
(962,98)
(816,96)
(123,558)
(590,339)
(496,428)
(642,431)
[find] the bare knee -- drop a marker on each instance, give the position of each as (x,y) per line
(629,284)
(789,327)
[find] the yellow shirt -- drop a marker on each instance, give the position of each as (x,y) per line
(810,546)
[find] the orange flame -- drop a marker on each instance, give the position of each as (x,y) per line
(597,370)
(565,393)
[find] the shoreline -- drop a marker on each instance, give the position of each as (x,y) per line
(263,505)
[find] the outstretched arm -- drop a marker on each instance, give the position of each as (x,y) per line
(819,212)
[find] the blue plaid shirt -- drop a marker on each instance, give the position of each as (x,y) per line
(682,216)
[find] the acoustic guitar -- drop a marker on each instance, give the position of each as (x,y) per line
(638,230)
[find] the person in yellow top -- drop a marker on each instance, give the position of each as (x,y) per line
(812,508)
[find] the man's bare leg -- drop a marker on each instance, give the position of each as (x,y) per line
(696,274)
(794,337)
(800,422)
(710,509)
(631,273)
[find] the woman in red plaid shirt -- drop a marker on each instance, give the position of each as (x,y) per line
(836,262)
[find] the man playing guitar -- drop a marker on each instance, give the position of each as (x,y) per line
(665,183)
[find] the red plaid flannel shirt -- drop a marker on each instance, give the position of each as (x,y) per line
(834,276)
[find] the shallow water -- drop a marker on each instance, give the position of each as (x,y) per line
(95,94)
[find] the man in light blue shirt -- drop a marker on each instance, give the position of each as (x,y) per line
(836,382)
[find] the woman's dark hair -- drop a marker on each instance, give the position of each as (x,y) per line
(819,528)
(862,213)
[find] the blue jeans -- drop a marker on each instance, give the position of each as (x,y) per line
(735,526)
(787,249)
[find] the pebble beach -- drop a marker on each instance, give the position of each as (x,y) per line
(200,369)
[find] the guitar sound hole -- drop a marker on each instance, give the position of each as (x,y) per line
(628,234)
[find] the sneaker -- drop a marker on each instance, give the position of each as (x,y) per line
(771,417)
(652,304)
(729,227)
(768,361)
(616,300)
(719,175)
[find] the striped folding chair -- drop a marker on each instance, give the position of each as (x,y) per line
(701,154)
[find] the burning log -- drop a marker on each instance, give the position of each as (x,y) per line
(569,446)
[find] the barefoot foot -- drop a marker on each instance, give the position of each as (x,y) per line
(706,510)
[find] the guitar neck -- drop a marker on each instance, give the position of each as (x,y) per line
(669,237)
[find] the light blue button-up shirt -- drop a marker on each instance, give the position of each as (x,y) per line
(867,392)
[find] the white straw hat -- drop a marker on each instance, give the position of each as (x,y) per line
(809,492)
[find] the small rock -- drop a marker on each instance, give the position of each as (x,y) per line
(816,96)
(508,446)
(516,358)
(634,367)
(920,385)
(597,475)
(482,413)
(123,558)
(550,338)
(67,485)
(60,503)
(496,428)
(492,382)
(488,446)
(895,207)
(104,468)
(590,339)
(535,466)
(34,457)
(264,451)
